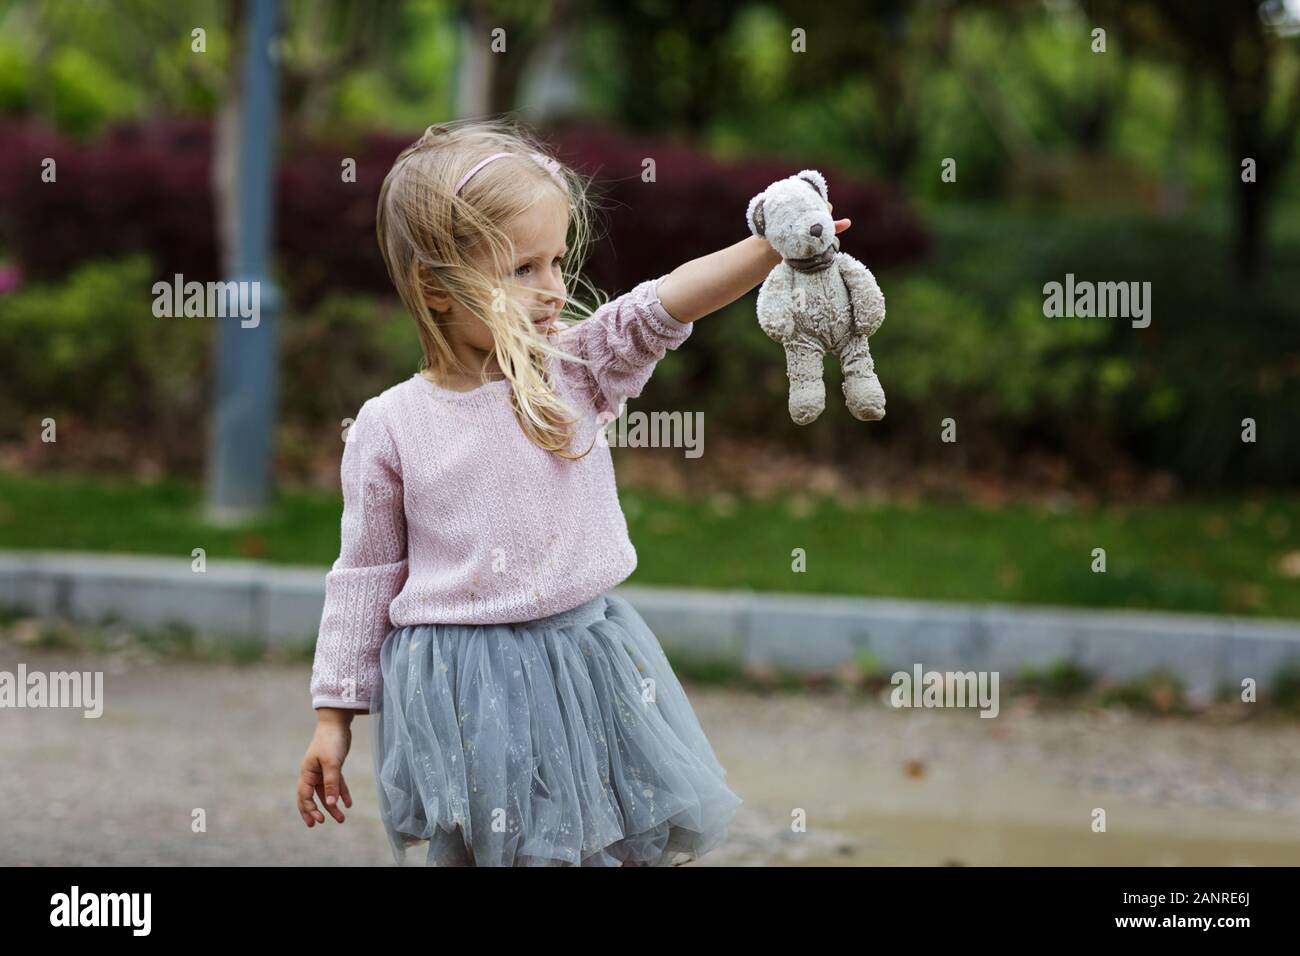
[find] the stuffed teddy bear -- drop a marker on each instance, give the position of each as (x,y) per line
(817,299)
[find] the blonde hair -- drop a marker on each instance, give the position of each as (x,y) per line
(431,237)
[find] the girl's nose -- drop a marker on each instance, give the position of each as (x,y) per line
(555,293)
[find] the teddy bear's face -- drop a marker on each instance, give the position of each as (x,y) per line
(794,216)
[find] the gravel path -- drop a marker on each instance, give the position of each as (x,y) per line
(875,785)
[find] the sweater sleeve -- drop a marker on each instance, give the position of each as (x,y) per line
(622,340)
(370,570)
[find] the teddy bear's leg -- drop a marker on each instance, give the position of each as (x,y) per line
(862,390)
(803,360)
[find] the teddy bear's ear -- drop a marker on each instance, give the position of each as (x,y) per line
(816,180)
(754,215)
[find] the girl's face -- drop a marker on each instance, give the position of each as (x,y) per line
(536,281)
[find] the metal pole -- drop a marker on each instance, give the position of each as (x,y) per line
(239,461)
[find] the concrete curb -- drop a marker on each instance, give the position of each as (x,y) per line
(279,603)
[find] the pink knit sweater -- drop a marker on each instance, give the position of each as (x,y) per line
(452,515)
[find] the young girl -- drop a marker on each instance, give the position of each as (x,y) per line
(521,713)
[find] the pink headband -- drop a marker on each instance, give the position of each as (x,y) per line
(546,162)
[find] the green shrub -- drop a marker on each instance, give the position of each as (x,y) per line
(122,384)
(1286,687)
(1062,679)
(1160,691)
(90,353)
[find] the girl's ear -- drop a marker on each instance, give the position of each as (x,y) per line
(436,300)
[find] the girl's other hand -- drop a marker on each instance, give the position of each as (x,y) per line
(321,773)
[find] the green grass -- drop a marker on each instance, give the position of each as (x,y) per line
(1207,556)
(1216,556)
(164,518)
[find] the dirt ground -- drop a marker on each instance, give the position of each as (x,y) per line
(875,785)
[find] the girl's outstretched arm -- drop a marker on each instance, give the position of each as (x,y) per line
(704,285)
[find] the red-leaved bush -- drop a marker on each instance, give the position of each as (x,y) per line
(697,204)
(148,187)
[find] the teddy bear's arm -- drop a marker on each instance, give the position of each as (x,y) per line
(775,310)
(865,297)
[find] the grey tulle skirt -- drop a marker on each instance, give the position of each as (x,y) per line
(566,741)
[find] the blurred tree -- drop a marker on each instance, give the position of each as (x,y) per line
(492,64)
(80,68)
(324,41)
(319,43)
(89,64)
(673,72)
(1251,61)
(1053,103)
(890,45)
(1047,59)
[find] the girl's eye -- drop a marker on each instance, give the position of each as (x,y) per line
(519,272)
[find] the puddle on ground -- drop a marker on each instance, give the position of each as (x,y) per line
(869,813)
